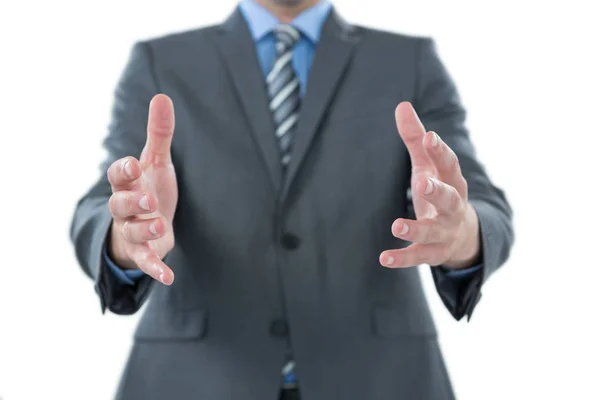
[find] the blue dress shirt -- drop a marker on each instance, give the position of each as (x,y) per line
(309,23)
(123,276)
(261,23)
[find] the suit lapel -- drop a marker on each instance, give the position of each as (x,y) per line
(239,52)
(332,56)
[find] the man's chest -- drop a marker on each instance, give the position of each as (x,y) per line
(344,146)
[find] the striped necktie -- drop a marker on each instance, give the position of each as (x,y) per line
(284,91)
(284,95)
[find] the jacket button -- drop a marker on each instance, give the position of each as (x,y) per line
(290,241)
(279,328)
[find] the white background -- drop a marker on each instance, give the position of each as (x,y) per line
(528,73)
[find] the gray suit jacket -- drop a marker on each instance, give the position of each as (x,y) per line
(266,263)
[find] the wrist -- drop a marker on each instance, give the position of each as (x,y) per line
(117,253)
(468,252)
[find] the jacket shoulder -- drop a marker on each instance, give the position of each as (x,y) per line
(389,37)
(181,41)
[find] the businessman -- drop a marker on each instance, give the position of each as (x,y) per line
(275,228)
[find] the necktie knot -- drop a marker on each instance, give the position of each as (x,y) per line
(287,36)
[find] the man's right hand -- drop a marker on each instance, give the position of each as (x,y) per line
(144,199)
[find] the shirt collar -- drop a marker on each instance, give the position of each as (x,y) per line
(261,21)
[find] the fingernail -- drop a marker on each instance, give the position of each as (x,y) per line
(434,139)
(161,273)
(143,203)
(128,169)
(404,230)
(389,261)
(153,228)
(429,187)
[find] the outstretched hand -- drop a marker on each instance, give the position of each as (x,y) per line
(446,231)
(144,199)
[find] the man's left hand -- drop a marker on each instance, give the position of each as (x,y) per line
(446,231)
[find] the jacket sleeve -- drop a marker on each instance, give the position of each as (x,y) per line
(92,219)
(438,104)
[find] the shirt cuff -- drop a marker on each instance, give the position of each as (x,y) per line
(461,274)
(125,277)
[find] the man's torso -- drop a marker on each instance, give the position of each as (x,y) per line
(267,263)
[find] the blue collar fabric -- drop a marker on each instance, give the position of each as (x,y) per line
(261,21)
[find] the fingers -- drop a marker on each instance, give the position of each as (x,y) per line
(442,196)
(149,262)
(412,133)
(446,162)
(143,230)
(125,204)
(421,231)
(123,173)
(414,255)
(161,125)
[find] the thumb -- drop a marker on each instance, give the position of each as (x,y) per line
(161,124)
(411,131)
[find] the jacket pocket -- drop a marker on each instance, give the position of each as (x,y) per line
(399,322)
(172,325)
